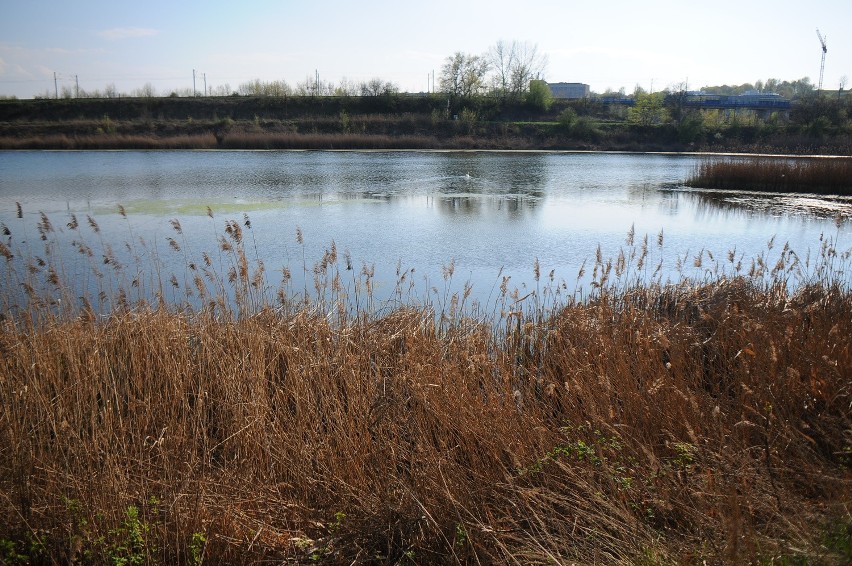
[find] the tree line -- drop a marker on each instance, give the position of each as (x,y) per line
(505,70)
(787,89)
(508,70)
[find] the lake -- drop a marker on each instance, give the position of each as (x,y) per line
(488,214)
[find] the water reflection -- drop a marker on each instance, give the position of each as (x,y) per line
(725,204)
(669,203)
(512,207)
(484,210)
(517,206)
(477,185)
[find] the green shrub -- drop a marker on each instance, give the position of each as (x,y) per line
(567,118)
(539,96)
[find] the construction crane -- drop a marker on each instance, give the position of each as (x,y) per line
(822,63)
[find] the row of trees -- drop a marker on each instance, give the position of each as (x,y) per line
(463,76)
(317,87)
(505,70)
(109,91)
(787,89)
(811,113)
(257,87)
(669,104)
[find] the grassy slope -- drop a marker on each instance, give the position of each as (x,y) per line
(369,123)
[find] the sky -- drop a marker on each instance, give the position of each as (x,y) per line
(611,44)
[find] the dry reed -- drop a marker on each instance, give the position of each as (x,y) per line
(654,423)
(808,175)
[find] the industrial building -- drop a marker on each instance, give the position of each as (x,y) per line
(569,90)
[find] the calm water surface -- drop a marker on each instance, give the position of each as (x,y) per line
(483,211)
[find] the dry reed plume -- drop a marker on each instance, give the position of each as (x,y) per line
(653,424)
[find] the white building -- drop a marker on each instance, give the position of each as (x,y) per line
(569,90)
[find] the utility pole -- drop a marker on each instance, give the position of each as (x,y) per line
(55,86)
(76,87)
(316,87)
(205,84)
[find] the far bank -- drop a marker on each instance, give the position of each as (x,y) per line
(414,122)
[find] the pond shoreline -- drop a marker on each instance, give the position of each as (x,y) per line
(691,153)
(73,139)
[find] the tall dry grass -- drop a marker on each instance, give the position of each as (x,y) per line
(110,142)
(699,421)
(251,140)
(291,140)
(807,175)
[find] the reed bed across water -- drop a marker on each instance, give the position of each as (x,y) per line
(803,175)
(656,423)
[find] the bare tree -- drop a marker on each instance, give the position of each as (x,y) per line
(529,64)
(313,86)
(220,90)
(146,91)
(675,100)
(185,92)
(515,64)
(501,57)
(347,88)
(250,88)
(378,87)
(257,87)
(279,88)
(463,75)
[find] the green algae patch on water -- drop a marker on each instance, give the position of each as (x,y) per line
(201,208)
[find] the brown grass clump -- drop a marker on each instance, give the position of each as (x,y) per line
(647,424)
(290,140)
(111,142)
(812,175)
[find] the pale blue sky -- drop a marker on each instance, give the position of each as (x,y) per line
(604,44)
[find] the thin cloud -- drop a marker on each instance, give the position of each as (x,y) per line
(67,52)
(127,33)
